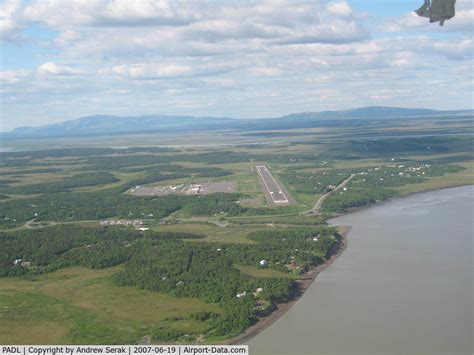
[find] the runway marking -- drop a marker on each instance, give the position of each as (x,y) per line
(272,193)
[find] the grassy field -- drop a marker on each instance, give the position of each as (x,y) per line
(82,306)
(213,233)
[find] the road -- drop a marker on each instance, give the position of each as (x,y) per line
(317,207)
(272,187)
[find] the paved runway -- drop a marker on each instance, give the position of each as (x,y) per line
(275,191)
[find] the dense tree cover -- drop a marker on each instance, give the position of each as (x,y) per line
(163,333)
(317,182)
(206,272)
(58,246)
(76,206)
(215,204)
(109,203)
(339,202)
(124,161)
(29,162)
(203,315)
(78,180)
(304,247)
(224,204)
(164,262)
(208,171)
(205,171)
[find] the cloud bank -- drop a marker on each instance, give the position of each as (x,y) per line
(235,58)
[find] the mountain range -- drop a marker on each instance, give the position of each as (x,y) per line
(112,125)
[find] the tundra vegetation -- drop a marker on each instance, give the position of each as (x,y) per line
(96,264)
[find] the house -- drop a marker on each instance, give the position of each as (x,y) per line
(240,295)
(263,263)
(17,262)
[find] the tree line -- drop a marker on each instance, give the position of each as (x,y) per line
(165,262)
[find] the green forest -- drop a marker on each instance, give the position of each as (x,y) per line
(218,261)
(168,262)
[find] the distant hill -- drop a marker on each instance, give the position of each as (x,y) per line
(111,125)
(374,112)
(105,125)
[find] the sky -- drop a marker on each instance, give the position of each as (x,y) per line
(63,59)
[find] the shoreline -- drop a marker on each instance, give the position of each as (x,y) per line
(303,284)
(395,198)
(308,278)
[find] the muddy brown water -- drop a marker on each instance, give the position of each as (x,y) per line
(403,286)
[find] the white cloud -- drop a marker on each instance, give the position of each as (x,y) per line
(403,59)
(340,9)
(66,37)
(145,12)
(265,71)
(67,13)
(13,76)
(151,71)
(9,27)
(245,58)
(50,68)
(456,49)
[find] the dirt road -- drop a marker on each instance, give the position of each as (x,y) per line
(317,207)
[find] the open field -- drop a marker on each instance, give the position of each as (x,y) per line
(81,306)
(213,233)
